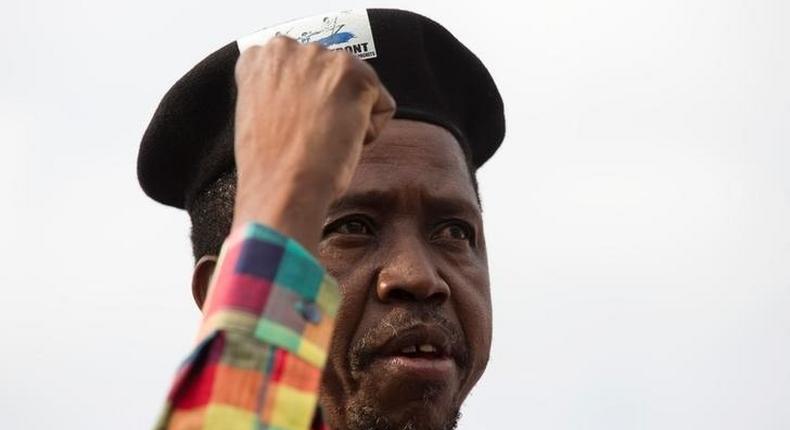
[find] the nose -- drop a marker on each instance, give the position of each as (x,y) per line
(409,275)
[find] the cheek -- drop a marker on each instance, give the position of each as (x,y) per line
(351,271)
(474,309)
(353,277)
(472,300)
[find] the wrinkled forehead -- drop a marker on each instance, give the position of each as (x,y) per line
(414,156)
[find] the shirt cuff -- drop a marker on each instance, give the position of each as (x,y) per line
(268,285)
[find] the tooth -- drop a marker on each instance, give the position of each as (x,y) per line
(427,348)
(409,349)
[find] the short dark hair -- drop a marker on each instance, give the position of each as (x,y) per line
(211,212)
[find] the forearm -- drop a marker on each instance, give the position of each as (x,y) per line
(268,320)
(290,205)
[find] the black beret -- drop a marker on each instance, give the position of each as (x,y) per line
(432,76)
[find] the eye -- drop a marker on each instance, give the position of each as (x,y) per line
(349,226)
(352,227)
(454,231)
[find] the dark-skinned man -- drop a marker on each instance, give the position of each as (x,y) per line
(352,137)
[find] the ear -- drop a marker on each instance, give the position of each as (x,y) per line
(201,278)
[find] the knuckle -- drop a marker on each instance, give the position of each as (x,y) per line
(248,54)
(251,51)
(280,42)
(314,48)
(346,60)
(245,58)
(348,64)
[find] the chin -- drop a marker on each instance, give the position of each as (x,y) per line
(422,417)
(403,405)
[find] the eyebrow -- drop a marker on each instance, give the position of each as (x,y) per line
(376,200)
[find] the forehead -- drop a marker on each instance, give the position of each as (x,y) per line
(417,156)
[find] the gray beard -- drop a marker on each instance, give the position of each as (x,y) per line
(365,417)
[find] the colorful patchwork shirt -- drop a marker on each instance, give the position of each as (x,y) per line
(267,323)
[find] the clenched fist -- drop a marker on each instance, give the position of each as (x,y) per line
(303,114)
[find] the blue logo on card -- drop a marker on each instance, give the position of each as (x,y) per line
(334,39)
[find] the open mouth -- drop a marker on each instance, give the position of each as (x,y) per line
(426,341)
(422,352)
(425,350)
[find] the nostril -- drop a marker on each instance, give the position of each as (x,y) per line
(400,294)
(406,295)
(438,297)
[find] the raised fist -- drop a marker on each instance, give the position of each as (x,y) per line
(303,114)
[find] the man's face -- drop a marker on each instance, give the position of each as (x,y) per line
(405,243)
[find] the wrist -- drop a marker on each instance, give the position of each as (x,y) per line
(293,206)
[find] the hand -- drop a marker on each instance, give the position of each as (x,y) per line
(303,114)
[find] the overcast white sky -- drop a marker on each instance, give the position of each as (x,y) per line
(638,213)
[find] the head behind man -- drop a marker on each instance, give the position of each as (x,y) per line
(405,241)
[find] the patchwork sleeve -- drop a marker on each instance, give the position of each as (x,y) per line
(268,320)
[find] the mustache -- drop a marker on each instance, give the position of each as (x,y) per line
(365,349)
